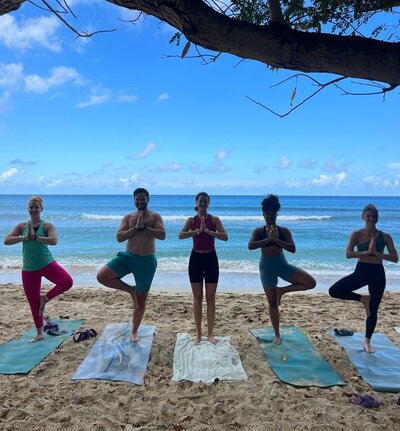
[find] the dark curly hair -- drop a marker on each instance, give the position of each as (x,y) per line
(196,208)
(141,190)
(271,203)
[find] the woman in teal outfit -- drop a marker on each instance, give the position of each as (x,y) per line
(37,261)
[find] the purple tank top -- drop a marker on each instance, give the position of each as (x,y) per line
(203,241)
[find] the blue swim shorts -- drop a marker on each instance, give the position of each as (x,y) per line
(272,267)
(143,268)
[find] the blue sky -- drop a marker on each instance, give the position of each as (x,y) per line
(118,111)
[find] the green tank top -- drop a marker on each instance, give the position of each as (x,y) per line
(35,255)
(379,244)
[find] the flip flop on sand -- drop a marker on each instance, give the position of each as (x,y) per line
(84,335)
(52,328)
(343,332)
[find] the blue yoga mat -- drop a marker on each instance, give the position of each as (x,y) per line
(17,356)
(115,357)
(380,369)
(296,361)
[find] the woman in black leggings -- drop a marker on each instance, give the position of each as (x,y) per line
(370,243)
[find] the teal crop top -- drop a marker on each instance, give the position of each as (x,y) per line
(35,255)
(379,244)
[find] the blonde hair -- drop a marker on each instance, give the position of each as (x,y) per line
(37,199)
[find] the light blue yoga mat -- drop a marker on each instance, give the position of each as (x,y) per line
(296,361)
(380,369)
(17,356)
(115,357)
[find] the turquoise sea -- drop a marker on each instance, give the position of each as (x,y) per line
(86,227)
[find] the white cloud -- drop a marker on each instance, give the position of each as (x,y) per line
(11,75)
(126,98)
(162,97)
(169,167)
(54,182)
(221,155)
(325,180)
(395,166)
(4,176)
(31,33)
(284,163)
(57,77)
(4,101)
(129,181)
(99,96)
(372,181)
(293,184)
(151,146)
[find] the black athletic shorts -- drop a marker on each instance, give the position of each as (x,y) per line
(203,266)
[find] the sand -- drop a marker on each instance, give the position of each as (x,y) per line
(47,399)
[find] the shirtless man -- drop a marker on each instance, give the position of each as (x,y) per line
(141,228)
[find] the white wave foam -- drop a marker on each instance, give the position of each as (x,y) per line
(234,218)
(101,216)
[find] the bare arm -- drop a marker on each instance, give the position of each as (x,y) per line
(187,232)
(124,232)
(287,245)
(254,243)
(15,236)
(158,231)
(220,233)
(392,255)
(350,253)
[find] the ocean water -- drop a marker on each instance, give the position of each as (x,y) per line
(86,227)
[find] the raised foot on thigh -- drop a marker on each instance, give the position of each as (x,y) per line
(134,298)
(279,294)
(365,300)
(43,302)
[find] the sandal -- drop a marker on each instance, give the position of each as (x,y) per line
(84,335)
(343,332)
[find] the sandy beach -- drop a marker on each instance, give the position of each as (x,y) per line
(47,399)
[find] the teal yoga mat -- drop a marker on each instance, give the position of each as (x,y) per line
(380,369)
(17,356)
(115,357)
(296,361)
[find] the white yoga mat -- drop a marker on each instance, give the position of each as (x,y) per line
(206,362)
(115,357)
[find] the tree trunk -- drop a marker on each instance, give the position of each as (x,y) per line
(275,44)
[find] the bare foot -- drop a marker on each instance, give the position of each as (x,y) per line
(134,337)
(279,294)
(43,302)
(365,300)
(37,338)
(196,339)
(367,347)
(277,339)
(211,339)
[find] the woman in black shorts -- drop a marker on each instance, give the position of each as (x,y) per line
(203,262)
